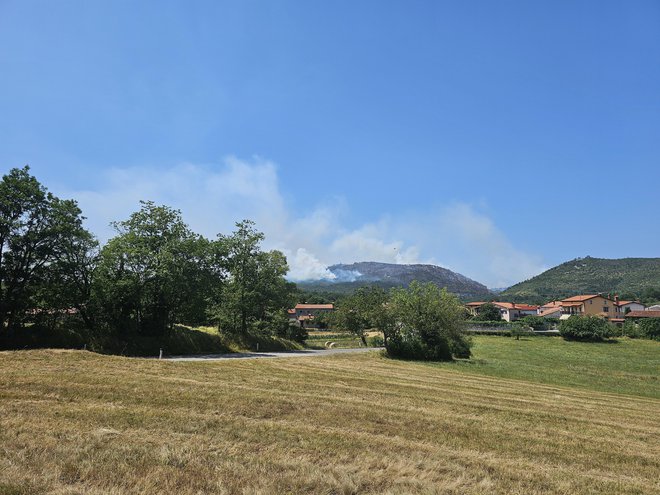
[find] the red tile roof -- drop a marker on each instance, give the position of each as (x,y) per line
(643,314)
(550,311)
(552,304)
(507,305)
(522,307)
(315,306)
(583,297)
(623,303)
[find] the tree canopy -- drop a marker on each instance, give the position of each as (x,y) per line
(43,251)
(154,273)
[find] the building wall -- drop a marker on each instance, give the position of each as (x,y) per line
(314,312)
(633,307)
(596,305)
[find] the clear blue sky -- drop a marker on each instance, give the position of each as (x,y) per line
(448,131)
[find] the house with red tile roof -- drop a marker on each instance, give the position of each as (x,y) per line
(305,314)
(508,311)
(551,312)
(590,304)
(628,306)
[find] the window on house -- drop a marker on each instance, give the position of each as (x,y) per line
(606,309)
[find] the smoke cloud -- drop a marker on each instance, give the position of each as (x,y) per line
(213,198)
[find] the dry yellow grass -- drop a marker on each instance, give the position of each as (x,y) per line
(75,422)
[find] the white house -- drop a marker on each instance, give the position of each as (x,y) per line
(628,306)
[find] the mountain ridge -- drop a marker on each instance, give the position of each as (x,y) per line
(588,275)
(348,277)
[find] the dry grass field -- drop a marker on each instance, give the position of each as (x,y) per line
(77,422)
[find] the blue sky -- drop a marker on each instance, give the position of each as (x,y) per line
(494,138)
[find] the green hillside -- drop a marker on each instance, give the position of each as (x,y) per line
(628,277)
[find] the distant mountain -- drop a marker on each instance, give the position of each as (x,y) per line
(386,275)
(588,275)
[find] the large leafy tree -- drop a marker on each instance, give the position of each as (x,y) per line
(362,310)
(426,323)
(488,312)
(255,290)
(40,235)
(585,328)
(154,273)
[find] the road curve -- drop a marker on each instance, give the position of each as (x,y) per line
(281,354)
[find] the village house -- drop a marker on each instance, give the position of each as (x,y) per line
(552,309)
(508,311)
(584,304)
(589,304)
(628,306)
(304,314)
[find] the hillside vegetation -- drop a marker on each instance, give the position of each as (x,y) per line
(388,275)
(76,422)
(588,275)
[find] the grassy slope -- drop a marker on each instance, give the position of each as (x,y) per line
(75,422)
(622,366)
(588,275)
(180,340)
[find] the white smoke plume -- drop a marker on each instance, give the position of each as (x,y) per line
(213,198)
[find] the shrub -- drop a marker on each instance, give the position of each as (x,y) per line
(293,332)
(520,330)
(631,330)
(488,324)
(488,312)
(650,328)
(426,323)
(585,328)
(535,322)
(375,341)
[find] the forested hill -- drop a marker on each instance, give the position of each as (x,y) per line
(626,276)
(349,277)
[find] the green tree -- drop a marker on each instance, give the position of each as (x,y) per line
(256,290)
(40,235)
(426,323)
(650,328)
(535,322)
(361,311)
(488,312)
(154,273)
(584,328)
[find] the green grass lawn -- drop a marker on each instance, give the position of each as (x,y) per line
(624,366)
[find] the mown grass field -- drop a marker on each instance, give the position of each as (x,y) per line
(76,422)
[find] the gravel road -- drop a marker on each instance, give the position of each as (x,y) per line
(282,354)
